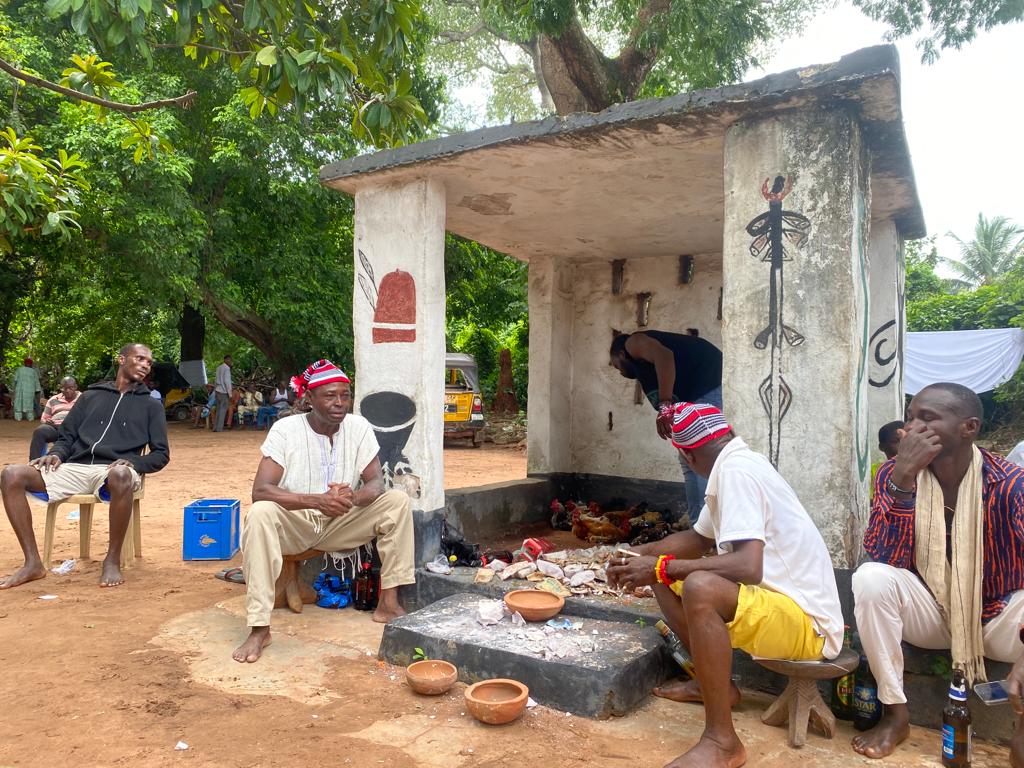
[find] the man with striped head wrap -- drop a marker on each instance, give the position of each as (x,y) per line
(319,486)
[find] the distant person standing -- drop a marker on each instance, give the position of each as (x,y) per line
(222,392)
(57,408)
(672,368)
(27,391)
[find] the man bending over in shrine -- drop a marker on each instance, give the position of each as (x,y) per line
(320,486)
(946,535)
(770,590)
(98,451)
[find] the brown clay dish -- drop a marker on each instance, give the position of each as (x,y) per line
(431,676)
(497,701)
(534,604)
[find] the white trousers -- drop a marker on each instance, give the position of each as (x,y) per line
(270,532)
(893,604)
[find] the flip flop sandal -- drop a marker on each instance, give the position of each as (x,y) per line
(233,575)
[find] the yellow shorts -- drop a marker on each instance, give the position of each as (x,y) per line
(771,625)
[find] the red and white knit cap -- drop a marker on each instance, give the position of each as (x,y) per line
(694,424)
(316,375)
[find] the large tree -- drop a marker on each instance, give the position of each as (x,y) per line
(997,245)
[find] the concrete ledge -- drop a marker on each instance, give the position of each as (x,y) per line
(618,492)
(613,678)
(494,508)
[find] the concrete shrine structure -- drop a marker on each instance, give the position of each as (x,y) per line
(768,216)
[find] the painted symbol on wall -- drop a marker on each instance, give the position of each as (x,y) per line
(394,306)
(771,231)
(393,417)
(884,351)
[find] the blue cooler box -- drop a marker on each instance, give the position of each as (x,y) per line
(211,530)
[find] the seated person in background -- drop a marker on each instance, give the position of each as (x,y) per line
(946,535)
(770,590)
(277,403)
(201,412)
(56,410)
(888,443)
(250,404)
(320,486)
(97,454)
(233,401)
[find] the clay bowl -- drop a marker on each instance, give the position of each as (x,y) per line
(534,604)
(497,701)
(431,676)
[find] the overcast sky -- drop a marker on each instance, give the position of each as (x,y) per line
(964,116)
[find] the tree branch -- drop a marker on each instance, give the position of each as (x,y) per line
(158,46)
(184,101)
(456,36)
(633,63)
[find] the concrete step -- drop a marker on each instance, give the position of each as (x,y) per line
(609,667)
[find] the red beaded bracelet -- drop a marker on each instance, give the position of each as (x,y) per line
(661,570)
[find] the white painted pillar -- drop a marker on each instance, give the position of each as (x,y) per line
(817,432)
(548,410)
(888,329)
(398,314)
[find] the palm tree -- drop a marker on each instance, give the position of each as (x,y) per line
(997,244)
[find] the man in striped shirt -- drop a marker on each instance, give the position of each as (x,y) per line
(56,410)
(946,537)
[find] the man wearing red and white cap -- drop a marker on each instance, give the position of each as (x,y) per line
(770,590)
(320,486)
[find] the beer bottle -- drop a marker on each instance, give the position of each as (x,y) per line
(956,725)
(676,649)
(363,599)
(842,688)
(867,709)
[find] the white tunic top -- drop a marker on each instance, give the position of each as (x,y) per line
(311,460)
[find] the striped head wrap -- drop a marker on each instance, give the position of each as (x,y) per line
(316,375)
(694,424)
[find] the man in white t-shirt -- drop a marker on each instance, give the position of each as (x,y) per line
(320,486)
(770,590)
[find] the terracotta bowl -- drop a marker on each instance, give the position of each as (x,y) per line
(431,676)
(534,604)
(497,701)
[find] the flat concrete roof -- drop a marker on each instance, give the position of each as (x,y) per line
(643,178)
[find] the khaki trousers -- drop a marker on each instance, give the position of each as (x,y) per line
(270,531)
(893,604)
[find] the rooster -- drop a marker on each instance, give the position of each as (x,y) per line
(560,516)
(598,530)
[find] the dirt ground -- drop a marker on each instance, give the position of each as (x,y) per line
(117,677)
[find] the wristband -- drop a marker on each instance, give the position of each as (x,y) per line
(660,572)
(893,488)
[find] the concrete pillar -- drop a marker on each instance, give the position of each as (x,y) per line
(800,350)
(398,314)
(888,328)
(551,352)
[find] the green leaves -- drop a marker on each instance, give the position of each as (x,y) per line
(267,56)
(39,194)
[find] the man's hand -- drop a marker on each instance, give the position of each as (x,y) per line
(46,463)
(919,445)
(1016,687)
(663,422)
(121,463)
(631,572)
(337,501)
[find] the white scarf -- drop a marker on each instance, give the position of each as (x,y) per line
(956,583)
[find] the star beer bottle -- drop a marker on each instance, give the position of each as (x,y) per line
(867,709)
(956,725)
(842,688)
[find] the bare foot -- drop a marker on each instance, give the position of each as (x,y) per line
(111,576)
(252,648)
(708,753)
(689,690)
(386,613)
(28,572)
(891,731)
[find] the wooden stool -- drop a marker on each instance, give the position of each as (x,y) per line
(801,702)
(132,547)
(289,589)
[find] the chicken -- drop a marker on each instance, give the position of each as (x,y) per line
(598,530)
(560,516)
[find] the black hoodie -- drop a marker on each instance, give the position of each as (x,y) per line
(106,425)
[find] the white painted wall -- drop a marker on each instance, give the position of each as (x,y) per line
(569,346)
(402,228)
(888,329)
(824,436)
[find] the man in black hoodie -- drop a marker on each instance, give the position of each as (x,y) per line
(98,450)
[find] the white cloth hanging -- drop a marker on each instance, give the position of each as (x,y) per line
(980,360)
